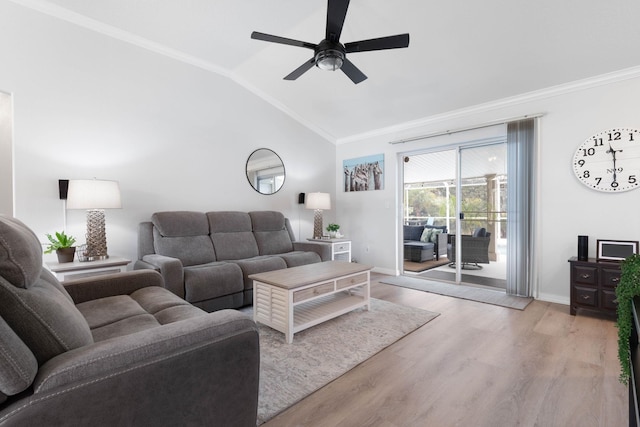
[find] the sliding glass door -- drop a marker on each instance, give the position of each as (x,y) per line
(458,196)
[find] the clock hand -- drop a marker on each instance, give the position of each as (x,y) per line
(613,153)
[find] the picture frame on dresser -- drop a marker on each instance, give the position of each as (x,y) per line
(615,250)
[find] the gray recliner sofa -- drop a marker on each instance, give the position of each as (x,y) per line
(117,349)
(206,258)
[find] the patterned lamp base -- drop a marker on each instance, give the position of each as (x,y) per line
(96,236)
(317,224)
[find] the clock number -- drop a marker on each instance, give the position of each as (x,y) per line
(598,181)
(614,184)
(588,152)
(597,142)
(581,163)
(615,136)
(632,179)
(630,136)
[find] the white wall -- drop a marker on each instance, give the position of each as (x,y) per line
(6,154)
(174,136)
(566,208)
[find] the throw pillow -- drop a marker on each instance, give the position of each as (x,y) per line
(433,238)
(426,235)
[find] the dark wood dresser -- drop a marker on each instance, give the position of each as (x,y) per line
(593,285)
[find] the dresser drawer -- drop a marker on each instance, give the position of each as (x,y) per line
(609,300)
(587,297)
(341,247)
(305,294)
(609,277)
(585,275)
(350,281)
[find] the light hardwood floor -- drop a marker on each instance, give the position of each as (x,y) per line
(478,365)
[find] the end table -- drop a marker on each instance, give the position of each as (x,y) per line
(77,270)
(340,248)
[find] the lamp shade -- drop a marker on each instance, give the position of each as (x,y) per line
(93,194)
(316,201)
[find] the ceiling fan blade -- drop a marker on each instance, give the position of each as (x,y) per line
(301,69)
(352,71)
(282,40)
(390,42)
(336,12)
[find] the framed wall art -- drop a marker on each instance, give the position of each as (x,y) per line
(364,173)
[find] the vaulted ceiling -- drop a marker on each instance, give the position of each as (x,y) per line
(461,53)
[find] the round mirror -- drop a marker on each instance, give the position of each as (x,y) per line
(265,171)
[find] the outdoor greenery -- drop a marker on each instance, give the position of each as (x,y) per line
(59,242)
(628,288)
(431,201)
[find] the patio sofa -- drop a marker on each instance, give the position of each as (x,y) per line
(116,349)
(206,258)
(420,246)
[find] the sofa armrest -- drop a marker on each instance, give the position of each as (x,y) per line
(108,285)
(200,371)
(320,248)
(170,269)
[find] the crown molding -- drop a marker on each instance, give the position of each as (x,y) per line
(562,89)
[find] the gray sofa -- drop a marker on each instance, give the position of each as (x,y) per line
(117,349)
(417,250)
(206,258)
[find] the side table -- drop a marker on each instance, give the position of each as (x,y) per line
(340,248)
(77,270)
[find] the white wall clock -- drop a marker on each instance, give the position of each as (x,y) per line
(609,161)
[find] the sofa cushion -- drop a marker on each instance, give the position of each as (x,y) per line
(18,365)
(232,235)
(214,280)
(412,232)
(426,235)
(146,308)
(183,235)
(270,232)
(32,301)
(181,223)
(259,264)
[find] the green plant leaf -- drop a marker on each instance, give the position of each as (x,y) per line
(627,289)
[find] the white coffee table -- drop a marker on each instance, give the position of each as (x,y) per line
(297,298)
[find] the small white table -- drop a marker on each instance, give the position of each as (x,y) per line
(340,248)
(77,270)
(297,298)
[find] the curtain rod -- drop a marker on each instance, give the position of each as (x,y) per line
(458,130)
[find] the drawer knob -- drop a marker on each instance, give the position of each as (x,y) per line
(586,276)
(586,297)
(615,279)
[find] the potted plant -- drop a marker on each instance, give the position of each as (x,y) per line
(333,229)
(628,288)
(63,245)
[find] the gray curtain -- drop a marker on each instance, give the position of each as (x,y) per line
(521,152)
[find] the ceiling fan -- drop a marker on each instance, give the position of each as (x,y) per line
(330,54)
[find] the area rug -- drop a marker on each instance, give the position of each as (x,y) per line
(319,355)
(417,267)
(487,296)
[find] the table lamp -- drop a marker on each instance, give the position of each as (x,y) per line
(95,196)
(318,202)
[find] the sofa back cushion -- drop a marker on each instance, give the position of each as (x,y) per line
(33,303)
(231,235)
(183,235)
(271,232)
(412,232)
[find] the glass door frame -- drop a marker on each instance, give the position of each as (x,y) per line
(459,148)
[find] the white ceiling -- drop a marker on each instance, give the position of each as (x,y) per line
(461,53)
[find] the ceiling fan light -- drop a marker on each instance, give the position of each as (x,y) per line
(330,59)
